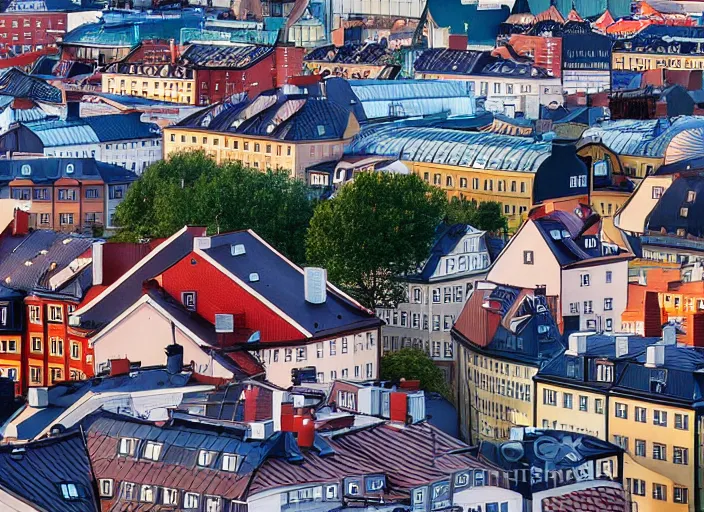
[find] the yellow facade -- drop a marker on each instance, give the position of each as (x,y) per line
(583,412)
(639,427)
(494,395)
(631,61)
(10,356)
(514,190)
(176,90)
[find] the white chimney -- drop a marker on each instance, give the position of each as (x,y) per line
(224,322)
(577,343)
(201,243)
(97,262)
(38,397)
(315,284)
(669,335)
(655,356)
(621,346)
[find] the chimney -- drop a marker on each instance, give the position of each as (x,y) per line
(306,433)
(398,407)
(97,262)
(38,397)
(172,51)
(669,335)
(621,346)
(174,358)
(540,290)
(20,222)
(577,343)
(457,42)
(119,367)
(652,320)
(695,329)
(73,110)
(315,285)
(655,356)
(287,417)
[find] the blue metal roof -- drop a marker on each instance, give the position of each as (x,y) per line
(18,84)
(281,283)
(648,138)
(441,146)
(666,217)
(93,129)
(48,170)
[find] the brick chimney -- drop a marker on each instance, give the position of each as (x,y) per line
(652,320)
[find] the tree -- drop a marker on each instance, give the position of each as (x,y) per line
(192,189)
(414,364)
(487,216)
(377,228)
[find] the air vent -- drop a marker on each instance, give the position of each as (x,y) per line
(67,241)
(315,285)
(224,323)
(237,249)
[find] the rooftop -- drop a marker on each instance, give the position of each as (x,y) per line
(229,57)
(452,147)
(48,170)
(17,84)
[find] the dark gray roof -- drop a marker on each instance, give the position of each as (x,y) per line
(48,170)
(36,475)
(18,84)
(281,283)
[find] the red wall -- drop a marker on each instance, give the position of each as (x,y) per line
(38,35)
(289,62)
(217,293)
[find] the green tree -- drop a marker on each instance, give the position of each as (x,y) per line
(377,228)
(192,189)
(486,216)
(414,364)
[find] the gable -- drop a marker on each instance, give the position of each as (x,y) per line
(217,292)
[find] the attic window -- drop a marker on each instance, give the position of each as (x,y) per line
(555,234)
(684,212)
(69,169)
(321,130)
(691,196)
(69,491)
(270,128)
(253,277)
(26,170)
(237,249)
(205,458)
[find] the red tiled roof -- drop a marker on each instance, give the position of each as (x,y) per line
(412,456)
(595,499)
(476,323)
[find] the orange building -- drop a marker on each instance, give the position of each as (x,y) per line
(65,194)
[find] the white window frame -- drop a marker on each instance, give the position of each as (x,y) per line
(127,446)
(152,451)
(106,487)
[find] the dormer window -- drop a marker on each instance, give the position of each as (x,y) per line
(26,170)
(127,446)
(69,491)
(205,458)
(230,462)
(188,299)
(152,451)
(69,169)
(604,371)
(691,196)
(684,211)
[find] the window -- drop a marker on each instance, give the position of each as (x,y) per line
(657,192)
(35,374)
(44,218)
(681,494)
(684,211)
(319,349)
(35,315)
(638,487)
(301,354)
(288,355)
(36,344)
(188,299)
(66,219)
(127,446)
(584,279)
(69,491)
(681,422)
(608,304)
(56,314)
(621,441)
(67,194)
(659,492)
(212,504)
(447,322)
(146,494)
(205,458)
(621,410)
(660,418)
(583,403)
(463,182)
(588,307)
(152,451)
(549,397)
(567,400)
(106,487)
(333,349)
(75,350)
(608,276)
(230,462)
(640,414)
(640,448)
(436,295)
(604,371)
(691,196)
(436,322)
(169,496)
(57,347)
(190,500)
(528,257)
(659,451)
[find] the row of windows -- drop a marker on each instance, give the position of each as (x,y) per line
(55,312)
(26,22)
(659,417)
(550,397)
(502,387)
(162,495)
(44,194)
(589,306)
(36,375)
(345,373)
(56,347)
(393,319)
(273,355)
(236,144)
(680,455)
(488,184)
(659,491)
(392,344)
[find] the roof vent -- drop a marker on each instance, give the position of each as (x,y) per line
(27,263)
(315,285)
(270,128)
(237,249)
(201,243)
(253,277)
(655,356)
(38,397)
(224,323)
(577,344)
(18,453)
(43,252)
(67,241)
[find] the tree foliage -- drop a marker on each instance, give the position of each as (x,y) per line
(192,189)
(377,228)
(486,216)
(414,364)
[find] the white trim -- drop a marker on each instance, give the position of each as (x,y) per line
(253,292)
(330,286)
(129,273)
(146,299)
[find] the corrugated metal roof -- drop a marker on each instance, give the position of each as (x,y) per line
(230,57)
(48,170)
(451,147)
(18,84)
